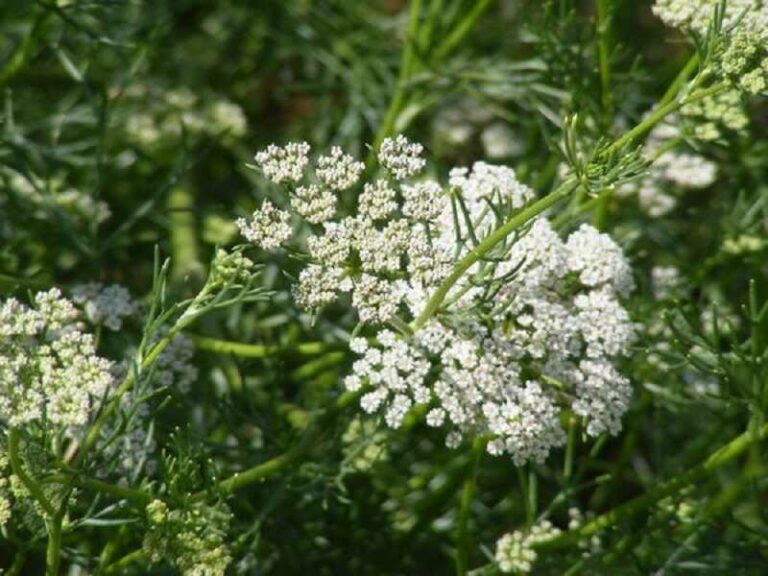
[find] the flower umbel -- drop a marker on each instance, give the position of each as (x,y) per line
(533,332)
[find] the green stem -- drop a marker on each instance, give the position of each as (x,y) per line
(274,466)
(257,350)
(260,472)
(488,243)
(407,66)
(29,482)
(18,563)
(546,202)
(680,79)
(124,562)
(95,430)
(461,30)
(570,448)
(133,495)
(465,509)
(23,51)
(183,231)
(603,53)
(716,460)
(111,548)
(53,550)
(661,111)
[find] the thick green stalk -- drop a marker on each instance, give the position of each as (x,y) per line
(183,226)
(138,497)
(603,55)
(257,350)
(490,242)
(606,97)
(53,550)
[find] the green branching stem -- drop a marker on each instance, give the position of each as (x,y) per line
(53,517)
(716,460)
(661,112)
(490,242)
(14,455)
(680,79)
(94,432)
(560,193)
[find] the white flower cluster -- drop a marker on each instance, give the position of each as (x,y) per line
(268,227)
(553,333)
(515,553)
(696,15)
(401,158)
(393,236)
(49,369)
(103,305)
(339,171)
(284,163)
(744,60)
(553,326)
(486,182)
